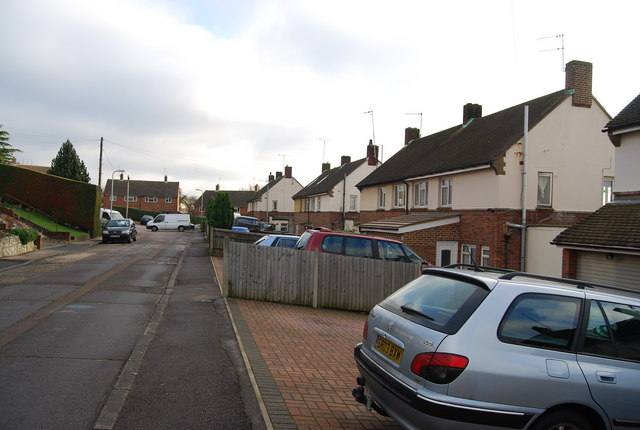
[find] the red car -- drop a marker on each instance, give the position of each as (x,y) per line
(357,245)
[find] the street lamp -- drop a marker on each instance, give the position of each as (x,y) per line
(201,199)
(111,196)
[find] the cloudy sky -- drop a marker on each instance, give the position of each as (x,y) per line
(224,92)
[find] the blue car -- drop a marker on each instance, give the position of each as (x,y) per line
(278,240)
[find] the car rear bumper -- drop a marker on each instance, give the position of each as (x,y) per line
(416,410)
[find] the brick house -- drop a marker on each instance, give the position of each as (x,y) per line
(332,199)
(155,196)
(273,203)
(458,195)
(605,246)
(239,199)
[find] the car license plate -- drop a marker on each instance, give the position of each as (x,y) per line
(389,349)
(115,235)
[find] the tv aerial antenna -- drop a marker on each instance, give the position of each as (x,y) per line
(324,145)
(283,158)
(373,129)
(560,48)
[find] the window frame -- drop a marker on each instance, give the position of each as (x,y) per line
(353,203)
(399,195)
(446,192)
(539,199)
(471,254)
(607,189)
(382,198)
(485,254)
(421,189)
(168,199)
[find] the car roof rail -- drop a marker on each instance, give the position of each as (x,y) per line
(477,268)
(575,282)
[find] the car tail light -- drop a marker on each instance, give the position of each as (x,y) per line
(438,367)
(365,330)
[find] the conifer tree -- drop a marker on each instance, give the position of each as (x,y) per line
(67,164)
(6,151)
(220,211)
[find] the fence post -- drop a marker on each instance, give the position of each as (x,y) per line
(224,288)
(316,271)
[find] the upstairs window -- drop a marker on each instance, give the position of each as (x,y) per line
(399,196)
(353,203)
(274,205)
(420,195)
(382,198)
(545,188)
(148,199)
(445,192)
(168,200)
(132,198)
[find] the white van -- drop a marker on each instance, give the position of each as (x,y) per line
(181,222)
(107,215)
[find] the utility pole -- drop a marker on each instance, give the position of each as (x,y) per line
(100,166)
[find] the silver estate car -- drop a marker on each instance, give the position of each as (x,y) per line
(471,348)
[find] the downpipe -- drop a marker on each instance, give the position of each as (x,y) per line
(362,397)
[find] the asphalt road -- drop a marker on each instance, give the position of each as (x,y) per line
(121,336)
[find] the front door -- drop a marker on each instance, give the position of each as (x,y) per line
(446,253)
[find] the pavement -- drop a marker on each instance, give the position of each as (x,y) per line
(299,359)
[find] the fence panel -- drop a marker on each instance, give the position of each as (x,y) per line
(287,276)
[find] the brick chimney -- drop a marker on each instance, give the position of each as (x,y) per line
(217,187)
(345,159)
(325,167)
(372,153)
(411,133)
(287,172)
(271,178)
(578,76)
(165,178)
(470,111)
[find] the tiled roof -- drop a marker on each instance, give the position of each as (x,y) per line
(269,186)
(239,199)
(143,188)
(614,226)
(328,179)
(629,116)
(477,143)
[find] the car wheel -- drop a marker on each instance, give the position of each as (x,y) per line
(563,420)
(181,228)
(154,228)
(135,238)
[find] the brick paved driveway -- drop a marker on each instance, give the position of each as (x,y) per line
(309,356)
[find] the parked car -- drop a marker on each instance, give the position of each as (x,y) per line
(253,224)
(144,219)
(458,349)
(267,227)
(180,222)
(277,240)
(239,228)
(357,245)
(119,230)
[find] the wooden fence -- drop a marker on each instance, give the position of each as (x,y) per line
(310,278)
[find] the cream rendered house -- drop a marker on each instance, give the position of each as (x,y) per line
(457,195)
(273,203)
(332,199)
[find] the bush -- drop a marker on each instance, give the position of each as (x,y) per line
(26,235)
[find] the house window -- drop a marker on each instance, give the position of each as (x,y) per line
(468,254)
(312,204)
(132,198)
(274,205)
(607,190)
(148,199)
(319,200)
(545,188)
(485,256)
(420,194)
(168,200)
(398,196)
(353,203)
(382,198)
(113,198)
(445,192)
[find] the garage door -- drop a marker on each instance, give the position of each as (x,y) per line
(621,270)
